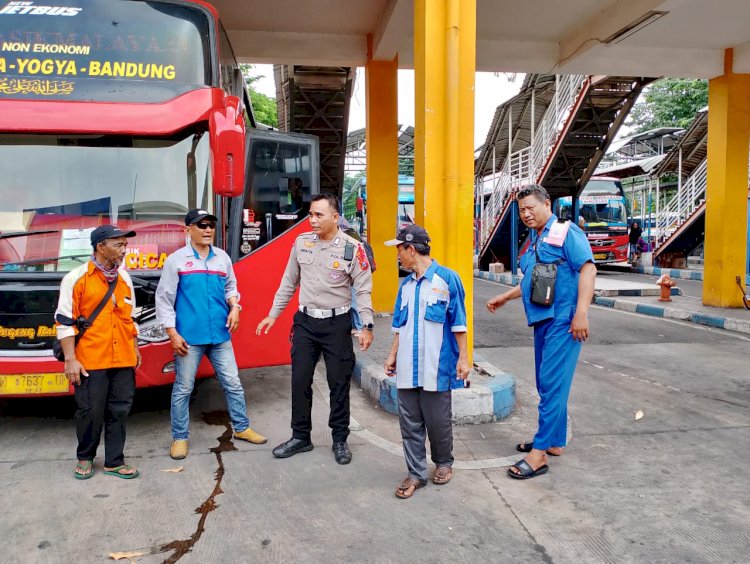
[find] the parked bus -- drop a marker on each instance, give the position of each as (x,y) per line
(132,112)
(405,214)
(604,217)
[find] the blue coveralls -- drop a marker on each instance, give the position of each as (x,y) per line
(555,350)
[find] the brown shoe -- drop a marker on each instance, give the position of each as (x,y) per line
(251,437)
(407,487)
(179,449)
(442,475)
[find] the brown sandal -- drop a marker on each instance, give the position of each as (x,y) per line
(442,475)
(407,487)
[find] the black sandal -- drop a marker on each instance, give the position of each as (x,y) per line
(525,471)
(526,447)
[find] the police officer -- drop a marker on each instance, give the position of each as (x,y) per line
(559,327)
(325,264)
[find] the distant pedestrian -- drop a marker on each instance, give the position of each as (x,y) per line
(360,213)
(198,305)
(429,357)
(98,299)
(557,287)
(325,264)
(633,237)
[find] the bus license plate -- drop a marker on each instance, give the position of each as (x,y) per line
(18,384)
(600,256)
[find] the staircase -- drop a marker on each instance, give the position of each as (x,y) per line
(681,224)
(315,100)
(578,125)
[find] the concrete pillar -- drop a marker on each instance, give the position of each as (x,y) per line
(444,66)
(726,192)
(381,82)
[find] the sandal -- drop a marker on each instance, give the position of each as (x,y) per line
(118,471)
(526,447)
(525,471)
(84,470)
(442,475)
(407,487)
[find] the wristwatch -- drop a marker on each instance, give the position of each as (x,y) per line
(237,306)
(369,326)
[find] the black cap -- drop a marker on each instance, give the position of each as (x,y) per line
(410,234)
(194,216)
(108,232)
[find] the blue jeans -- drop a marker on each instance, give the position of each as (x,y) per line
(222,359)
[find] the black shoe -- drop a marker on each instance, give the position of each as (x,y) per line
(342,453)
(292,447)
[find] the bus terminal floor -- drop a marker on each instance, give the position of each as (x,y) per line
(667,486)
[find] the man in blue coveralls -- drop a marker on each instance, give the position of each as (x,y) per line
(429,357)
(198,305)
(560,327)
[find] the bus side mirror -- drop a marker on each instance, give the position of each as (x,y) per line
(227,131)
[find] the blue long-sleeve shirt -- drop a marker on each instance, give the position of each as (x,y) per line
(193,295)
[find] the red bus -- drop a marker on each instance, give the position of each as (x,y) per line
(132,112)
(603,215)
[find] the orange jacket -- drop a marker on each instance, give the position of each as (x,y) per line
(110,341)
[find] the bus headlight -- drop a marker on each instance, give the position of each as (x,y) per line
(622,248)
(151,332)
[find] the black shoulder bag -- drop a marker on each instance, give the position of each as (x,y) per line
(543,278)
(83,323)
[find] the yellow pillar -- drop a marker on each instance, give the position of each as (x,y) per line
(444,66)
(381,83)
(727,188)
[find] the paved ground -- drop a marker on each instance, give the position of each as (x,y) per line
(669,487)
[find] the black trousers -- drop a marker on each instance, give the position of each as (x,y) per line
(333,338)
(104,398)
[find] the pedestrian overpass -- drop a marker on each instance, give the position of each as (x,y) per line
(590,38)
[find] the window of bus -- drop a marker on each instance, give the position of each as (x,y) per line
(106,51)
(55,190)
(279,192)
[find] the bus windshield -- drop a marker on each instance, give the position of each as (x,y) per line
(113,50)
(601,205)
(55,190)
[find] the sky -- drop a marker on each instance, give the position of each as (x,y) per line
(491,90)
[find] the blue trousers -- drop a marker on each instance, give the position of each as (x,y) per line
(555,357)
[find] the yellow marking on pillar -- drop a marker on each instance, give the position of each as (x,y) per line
(727,188)
(444,60)
(381,140)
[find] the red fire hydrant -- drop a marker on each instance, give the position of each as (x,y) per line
(666,284)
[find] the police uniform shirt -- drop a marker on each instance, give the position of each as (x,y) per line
(428,310)
(325,275)
(573,254)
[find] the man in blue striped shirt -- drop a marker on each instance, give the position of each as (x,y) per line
(197,303)
(429,357)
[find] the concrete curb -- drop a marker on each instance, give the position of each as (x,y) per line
(739,325)
(682,274)
(487,400)
(503,277)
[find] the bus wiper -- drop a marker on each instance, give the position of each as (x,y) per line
(146,285)
(48,259)
(26,233)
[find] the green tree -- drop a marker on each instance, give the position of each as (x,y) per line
(264,107)
(669,102)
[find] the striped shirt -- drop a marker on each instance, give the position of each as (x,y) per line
(193,293)
(428,310)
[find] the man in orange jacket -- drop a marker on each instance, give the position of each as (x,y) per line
(101,364)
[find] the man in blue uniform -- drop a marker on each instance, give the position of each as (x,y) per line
(198,305)
(429,357)
(560,325)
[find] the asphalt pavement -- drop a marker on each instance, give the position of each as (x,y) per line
(655,471)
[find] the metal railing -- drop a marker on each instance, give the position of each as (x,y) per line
(524,166)
(683,204)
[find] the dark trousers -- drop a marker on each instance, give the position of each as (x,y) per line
(419,410)
(311,337)
(105,397)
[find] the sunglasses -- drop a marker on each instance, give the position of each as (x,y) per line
(205,225)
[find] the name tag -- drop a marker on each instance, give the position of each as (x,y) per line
(557,234)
